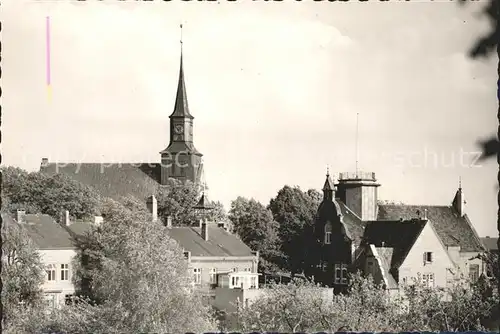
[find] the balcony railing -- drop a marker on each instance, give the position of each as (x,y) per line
(370,176)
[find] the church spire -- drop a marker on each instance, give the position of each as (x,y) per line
(181,108)
(328,187)
(459,199)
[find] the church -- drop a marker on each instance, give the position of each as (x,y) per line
(394,243)
(179,160)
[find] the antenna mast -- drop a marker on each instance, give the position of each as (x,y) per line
(357,132)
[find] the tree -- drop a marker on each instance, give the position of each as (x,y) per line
(257,229)
(22,272)
(177,199)
(39,193)
(142,280)
(294,210)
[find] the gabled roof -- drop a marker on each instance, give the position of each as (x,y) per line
(46,233)
(111,179)
(490,243)
(219,243)
(399,236)
(452,229)
(383,257)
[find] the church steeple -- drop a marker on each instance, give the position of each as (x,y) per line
(181,108)
(180,160)
(328,187)
(459,200)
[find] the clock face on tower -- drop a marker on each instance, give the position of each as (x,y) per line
(179,129)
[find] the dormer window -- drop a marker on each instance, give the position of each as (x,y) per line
(328,233)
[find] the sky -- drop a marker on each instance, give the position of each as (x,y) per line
(275,89)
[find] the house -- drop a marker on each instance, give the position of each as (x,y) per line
(393,242)
(180,160)
(216,257)
(56,246)
(490,244)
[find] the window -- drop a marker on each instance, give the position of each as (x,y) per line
(428,257)
(68,299)
(213,276)
(340,273)
(197,275)
(235,270)
(51,300)
(428,280)
(51,272)
(328,233)
(64,272)
(404,280)
(253,282)
(474,272)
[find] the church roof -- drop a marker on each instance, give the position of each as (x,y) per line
(355,226)
(181,108)
(452,229)
(219,243)
(112,180)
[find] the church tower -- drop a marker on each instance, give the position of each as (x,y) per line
(181,160)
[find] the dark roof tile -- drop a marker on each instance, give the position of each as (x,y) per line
(452,229)
(47,233)
(397,235)
(219,243)
(112,179)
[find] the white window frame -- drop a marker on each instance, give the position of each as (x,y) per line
(428,279)
(342,270)
(253,282)
(328,233)
(51,272)
(64,272)
(328,238)
(197,275)
(213,276)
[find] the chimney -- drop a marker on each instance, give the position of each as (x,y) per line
(204,231)
(425,214)
(152,205)
(20,216)
(98,220)
(45,162)
(65,218)
(169,222)
(200,223)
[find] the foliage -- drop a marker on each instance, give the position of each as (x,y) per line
(139,276)
(294,210)
(302,306)
(39,193)
(177,199)
(257,229)
(22,272)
